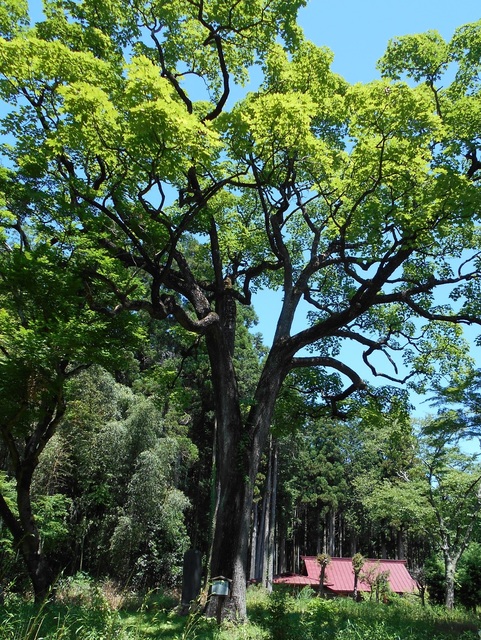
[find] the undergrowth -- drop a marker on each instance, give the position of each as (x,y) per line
(85,610)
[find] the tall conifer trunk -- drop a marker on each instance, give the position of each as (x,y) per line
(272,525)
(254,531)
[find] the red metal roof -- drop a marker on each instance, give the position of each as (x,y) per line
(296,580)
(340,575)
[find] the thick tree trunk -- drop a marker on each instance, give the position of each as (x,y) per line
(234,485)
(235,482)
(26,538)
(239,448)
(38,567)
(230,543)
(450,566)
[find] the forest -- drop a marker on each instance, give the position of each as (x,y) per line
(146,203)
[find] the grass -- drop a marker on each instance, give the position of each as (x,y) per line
(84,610)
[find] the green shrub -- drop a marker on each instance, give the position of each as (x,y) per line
(363,631)
(469,577)
(280,606)
(435,580)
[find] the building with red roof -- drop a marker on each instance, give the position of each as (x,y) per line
(339,576)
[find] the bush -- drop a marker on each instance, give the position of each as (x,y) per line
(469,577)
(280,605)
(435,580)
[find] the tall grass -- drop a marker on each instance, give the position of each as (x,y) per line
(81,611)
(85,610)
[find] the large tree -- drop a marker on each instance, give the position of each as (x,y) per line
(356,202)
